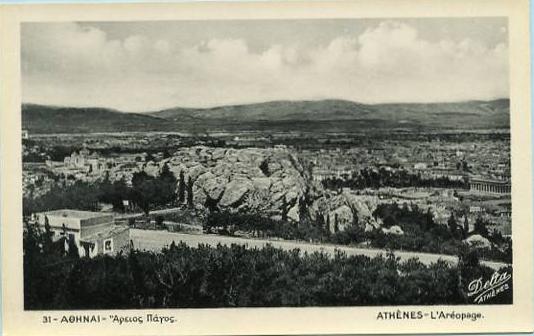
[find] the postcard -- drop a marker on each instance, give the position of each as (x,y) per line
(265,168)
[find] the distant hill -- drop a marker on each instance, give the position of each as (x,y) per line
(326,115)
(50,119)
(470,114)
(274,111)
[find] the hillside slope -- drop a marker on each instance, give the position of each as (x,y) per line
(470,114)
(275,116)
(49,119)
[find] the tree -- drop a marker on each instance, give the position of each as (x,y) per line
(466,225)
(320,223)
(166,154)
(453,226)
(190,192)
(285,209)
(144,190)
(148,191)
(149,157)
(73,248)
(429,220)
(159,221)
(181,188)
(303,212)
(355,218)
(47,238)
(480,227)
(167,186)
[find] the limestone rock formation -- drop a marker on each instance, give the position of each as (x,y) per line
(394,230)
(269,181)
(346,206)
(477,241)
(249,179)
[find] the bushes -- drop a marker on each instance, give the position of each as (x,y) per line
(397,178)
(421,234)
(234,276)
(147,192)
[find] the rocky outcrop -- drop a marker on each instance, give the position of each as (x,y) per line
(235,192)
(477,241)
(349,210)
(394,230)
(271,181)
(250,179)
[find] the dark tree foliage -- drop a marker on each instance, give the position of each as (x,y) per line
(422,234)
(181,188)
(382,177)
(45,268)
(190,192)
(146,192)
(264,167)
(226,222)
(284,209)
(236,276)
(114,193)
(456,231)
(420,231)
(166,184)
(481,227)
(80,195)
(159,221)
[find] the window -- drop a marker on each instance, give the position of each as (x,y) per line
(108,245)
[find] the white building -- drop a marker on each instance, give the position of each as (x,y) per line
(93,232)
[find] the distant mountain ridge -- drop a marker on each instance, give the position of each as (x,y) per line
(328,115)
(53,119)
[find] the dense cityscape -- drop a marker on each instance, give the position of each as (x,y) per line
(370,192)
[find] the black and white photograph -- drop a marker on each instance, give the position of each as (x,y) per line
(266,168)
(266,163)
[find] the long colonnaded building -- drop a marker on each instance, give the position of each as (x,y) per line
(491,186)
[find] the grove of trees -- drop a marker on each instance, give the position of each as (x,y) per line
(422,234)
(235,276)
(146,192)
(382,177)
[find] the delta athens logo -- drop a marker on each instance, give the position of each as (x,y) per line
(481,291)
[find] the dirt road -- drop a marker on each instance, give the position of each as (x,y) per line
(156,240)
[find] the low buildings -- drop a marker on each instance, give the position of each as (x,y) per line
(93,233)
(85,161)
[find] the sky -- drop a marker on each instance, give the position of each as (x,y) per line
(148,66)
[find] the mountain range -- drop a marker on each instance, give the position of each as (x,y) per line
(321,115)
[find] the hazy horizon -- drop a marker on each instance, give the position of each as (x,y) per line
(262,102)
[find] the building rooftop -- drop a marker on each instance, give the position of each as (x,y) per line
(74,214)
(106,233)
